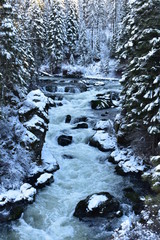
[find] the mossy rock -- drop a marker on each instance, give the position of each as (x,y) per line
(135,199)
(156,187)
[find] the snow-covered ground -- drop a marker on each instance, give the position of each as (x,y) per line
(93,71)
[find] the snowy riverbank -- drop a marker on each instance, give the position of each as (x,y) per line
(92,129)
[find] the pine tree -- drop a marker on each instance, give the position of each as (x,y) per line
(141,80)
(72,28)
(37,31)
(56,36)
(14,62)
(123,36)
(82,47)
(9,51)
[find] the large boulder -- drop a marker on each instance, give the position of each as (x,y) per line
(103,141)
(98,205)
(12,202)
(64,140)
(33,114)
(127,161)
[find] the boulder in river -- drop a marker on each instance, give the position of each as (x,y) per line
(80,119)
(68,119)
(100,104)
(103,141)
(64,140)
(81,125)
(44,179)
(98,205)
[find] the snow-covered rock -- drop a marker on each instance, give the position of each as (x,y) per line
(100,104)
(98,205)
(127,161)
(36,123)
(33,113)
(155,160)
(44,179)
(96,200)
(104,125)
(12,202)
(103,141)
(26,192)
(35,99)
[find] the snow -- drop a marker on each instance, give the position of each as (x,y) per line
(36,122)
(29,137)
(26,192)
(104,125)
(49,162)
(7,6)
(47,155)
(127,160)
(131,166)
(105,140)
(93,71)
(95,201)
(44,178)
(35,99)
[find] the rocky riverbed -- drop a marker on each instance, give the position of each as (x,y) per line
(82,141)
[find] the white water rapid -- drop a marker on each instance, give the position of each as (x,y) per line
(84,170)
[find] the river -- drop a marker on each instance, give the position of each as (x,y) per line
(84,170)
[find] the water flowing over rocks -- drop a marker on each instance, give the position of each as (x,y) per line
(87,139)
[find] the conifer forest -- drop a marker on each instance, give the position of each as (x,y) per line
(79,119)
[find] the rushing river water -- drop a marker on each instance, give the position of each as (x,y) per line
(83,170)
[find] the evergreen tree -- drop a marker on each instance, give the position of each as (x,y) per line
(37,31)
(56,36)
(141,80)
(10,53)
(82,47)
(124,34)
(14,57)
(72,28)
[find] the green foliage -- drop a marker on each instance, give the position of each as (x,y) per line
(72,28)
(56,35)
(141,80)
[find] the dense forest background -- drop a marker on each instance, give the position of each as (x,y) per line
(43,35)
